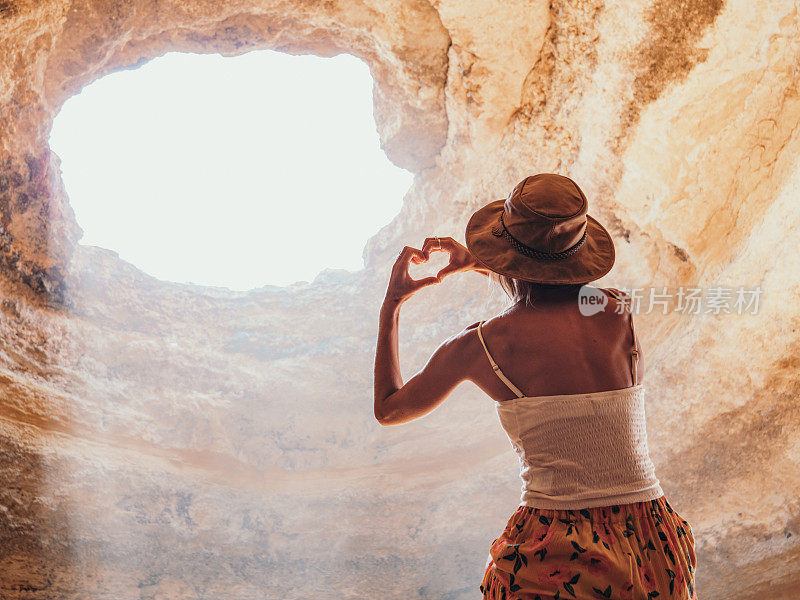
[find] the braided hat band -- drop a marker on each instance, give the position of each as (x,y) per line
(522,248)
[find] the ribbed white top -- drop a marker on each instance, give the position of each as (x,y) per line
(581,450)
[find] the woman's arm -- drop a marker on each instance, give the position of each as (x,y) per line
(395,402)
(387,356)
(387,360)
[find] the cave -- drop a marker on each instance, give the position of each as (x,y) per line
(164,440)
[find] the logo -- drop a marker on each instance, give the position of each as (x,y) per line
(591,301)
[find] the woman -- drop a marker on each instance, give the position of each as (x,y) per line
(593,521)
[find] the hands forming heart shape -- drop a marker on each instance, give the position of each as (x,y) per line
(402,286)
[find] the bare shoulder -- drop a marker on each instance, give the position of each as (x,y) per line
(469,328)
(615,293)
(619,301)
(464,337)
(462,345)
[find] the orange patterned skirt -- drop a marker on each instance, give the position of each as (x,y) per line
(636,551)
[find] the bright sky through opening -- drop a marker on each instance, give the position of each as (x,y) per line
(240,172)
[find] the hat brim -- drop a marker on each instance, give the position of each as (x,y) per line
(591,261)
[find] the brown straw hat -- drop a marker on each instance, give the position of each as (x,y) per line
(541,233)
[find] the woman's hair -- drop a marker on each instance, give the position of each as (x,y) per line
(519,290)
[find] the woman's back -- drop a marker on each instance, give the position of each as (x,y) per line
(553,348)
(593,521)
(578,449)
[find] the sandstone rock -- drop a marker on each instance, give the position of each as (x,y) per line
(161,440)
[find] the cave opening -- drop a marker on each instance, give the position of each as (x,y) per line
(260,169)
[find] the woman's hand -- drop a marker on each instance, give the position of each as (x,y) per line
(461,258)
(401,285)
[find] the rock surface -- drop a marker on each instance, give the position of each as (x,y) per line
(172,441)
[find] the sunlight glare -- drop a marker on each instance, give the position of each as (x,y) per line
(239,171)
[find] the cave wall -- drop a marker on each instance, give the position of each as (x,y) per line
(161,440)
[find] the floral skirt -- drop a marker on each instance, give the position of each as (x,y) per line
(633,551)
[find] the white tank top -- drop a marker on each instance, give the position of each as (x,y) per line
(580,450)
